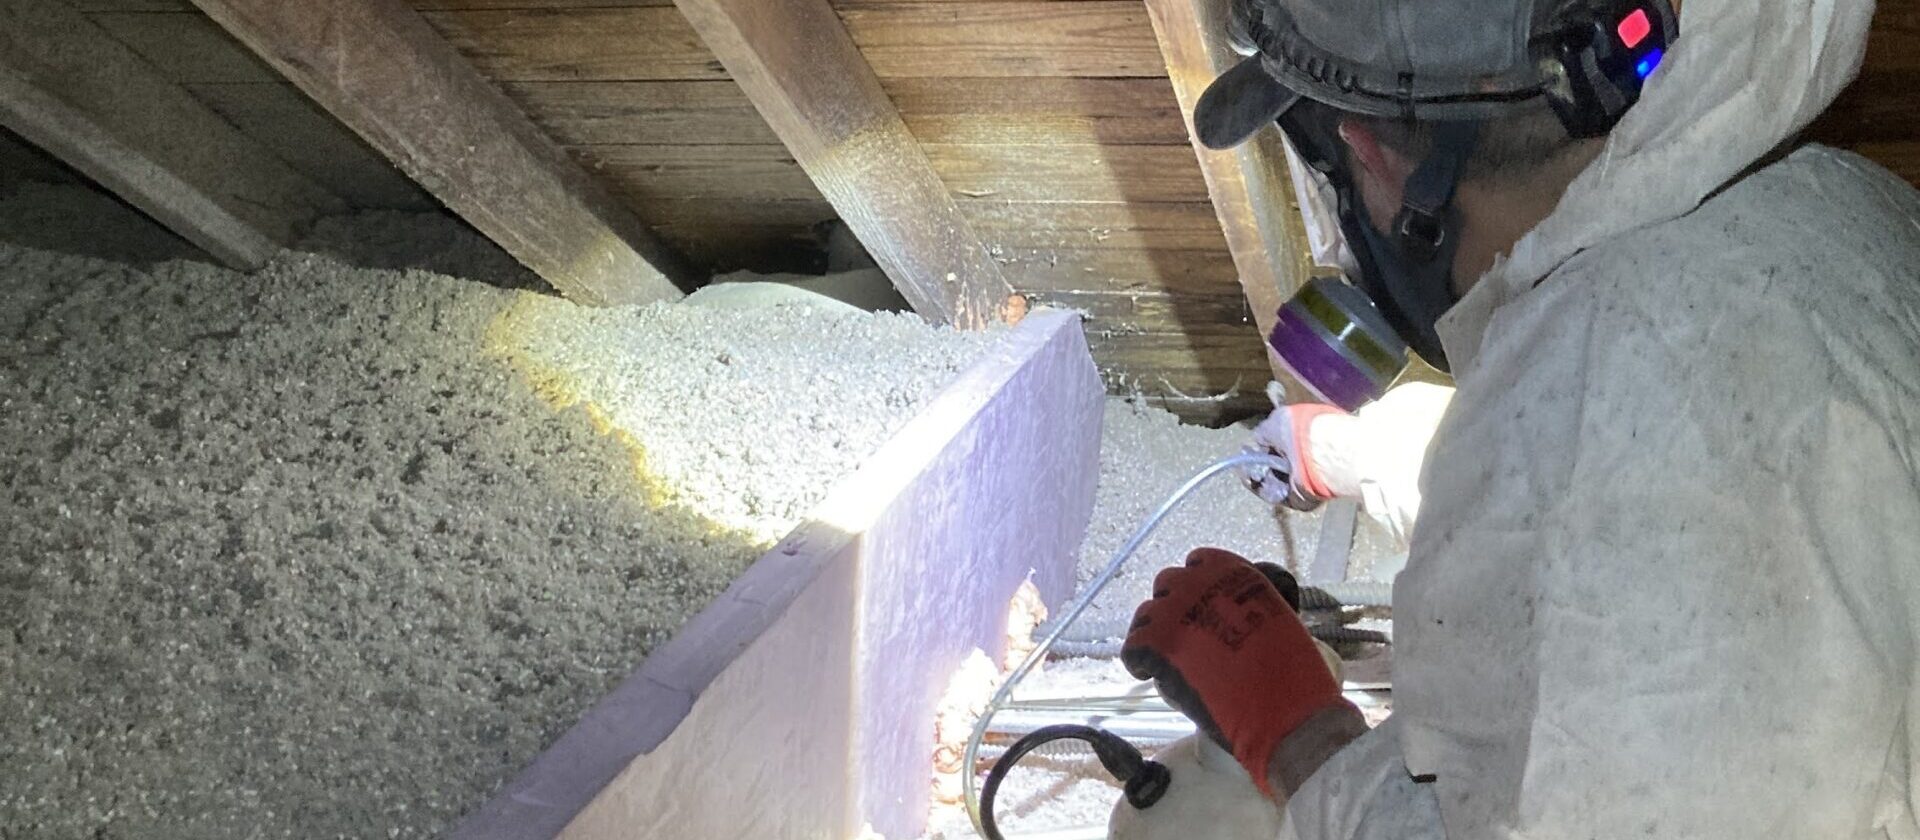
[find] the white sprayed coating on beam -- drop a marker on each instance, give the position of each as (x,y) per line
(815,675)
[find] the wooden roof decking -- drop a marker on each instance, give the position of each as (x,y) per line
(1051,122)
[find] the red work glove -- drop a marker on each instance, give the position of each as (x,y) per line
(1229,653)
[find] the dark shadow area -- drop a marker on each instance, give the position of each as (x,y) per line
(47,206)
(438,242)
(1199,354)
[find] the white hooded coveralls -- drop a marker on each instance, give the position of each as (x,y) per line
(1664,579)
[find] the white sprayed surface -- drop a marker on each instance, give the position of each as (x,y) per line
(822,726)
(1011,501)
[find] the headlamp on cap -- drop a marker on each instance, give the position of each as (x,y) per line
(1452,64)
(1600,68)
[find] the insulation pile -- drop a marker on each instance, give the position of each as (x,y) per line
(328,551)
(306,553)
(754,413)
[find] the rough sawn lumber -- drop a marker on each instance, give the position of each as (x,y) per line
(71,88)
(803,73)
(1250,186)
(379,68)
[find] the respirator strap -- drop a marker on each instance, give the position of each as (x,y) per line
(1412,265)
(1426,225)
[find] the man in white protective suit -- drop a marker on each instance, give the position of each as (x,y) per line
(1663,580)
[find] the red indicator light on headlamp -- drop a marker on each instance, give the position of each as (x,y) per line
(1635,28)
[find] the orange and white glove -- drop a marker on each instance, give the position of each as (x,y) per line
(1374,455)
(1287,433)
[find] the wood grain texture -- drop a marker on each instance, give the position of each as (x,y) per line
(1093,38)
(285,122)
(187,47)
(591,44)
(1070,173)
(132,5)
(1877,113)
(1878,108)
(1894,42)
(972,112)
(1203,375)
(1128,312)
(803,72)
(709,212)
(1176,226)
(445,5)
(71,88)
(378,68)
(1044,270)
(723,248)
(1030,111)
(713,113)
(766,173)
(1250,188)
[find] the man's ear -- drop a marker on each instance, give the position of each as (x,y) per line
(1382,175)
(1381,163)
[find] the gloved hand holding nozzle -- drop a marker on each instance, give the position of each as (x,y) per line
(1286,435)
(1374,455)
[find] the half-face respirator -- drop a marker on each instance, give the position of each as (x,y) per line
(1346,340)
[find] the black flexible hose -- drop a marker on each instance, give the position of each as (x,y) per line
(1145,780)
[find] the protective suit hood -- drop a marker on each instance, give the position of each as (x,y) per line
(1745,77)
(1664,581)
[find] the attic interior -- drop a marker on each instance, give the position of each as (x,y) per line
(463,417)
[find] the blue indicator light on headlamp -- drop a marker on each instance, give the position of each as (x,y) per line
(1646,65)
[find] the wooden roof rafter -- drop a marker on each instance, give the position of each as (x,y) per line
(1251,189)
(801,69)
(379,68)
(70,88)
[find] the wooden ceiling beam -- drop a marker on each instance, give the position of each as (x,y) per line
(378,67)
(1251,189)
(71,88)
(806,77)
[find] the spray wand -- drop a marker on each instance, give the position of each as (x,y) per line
(982,822)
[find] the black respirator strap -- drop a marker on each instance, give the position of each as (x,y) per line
(1425,225)
(1408,271)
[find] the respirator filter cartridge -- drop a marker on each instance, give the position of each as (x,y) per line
(1336,343)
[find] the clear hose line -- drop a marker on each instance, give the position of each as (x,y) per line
(1005,693)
